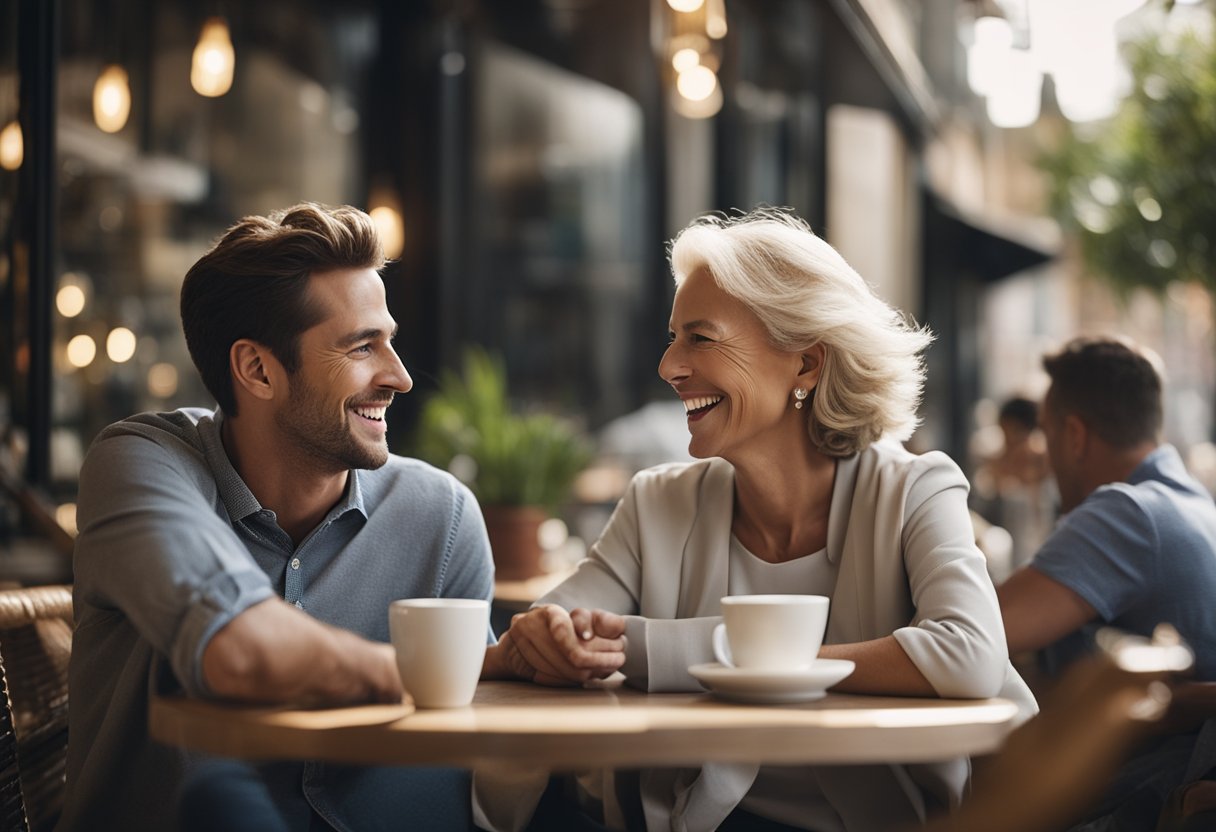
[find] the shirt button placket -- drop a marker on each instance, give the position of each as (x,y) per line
(294,589)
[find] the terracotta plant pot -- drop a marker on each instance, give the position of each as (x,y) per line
(514,538)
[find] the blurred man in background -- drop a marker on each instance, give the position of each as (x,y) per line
(1136,546)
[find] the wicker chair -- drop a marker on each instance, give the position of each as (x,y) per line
(35,643)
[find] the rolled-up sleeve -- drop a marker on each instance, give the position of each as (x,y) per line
(153,548)
(957,639)
(662,649)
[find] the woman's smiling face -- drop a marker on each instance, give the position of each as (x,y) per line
(734,383)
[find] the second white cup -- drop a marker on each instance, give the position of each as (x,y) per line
(440,645)
(770,632)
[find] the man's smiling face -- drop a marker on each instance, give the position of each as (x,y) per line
(347,376)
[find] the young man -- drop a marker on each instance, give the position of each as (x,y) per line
(251,552)
(1137,544)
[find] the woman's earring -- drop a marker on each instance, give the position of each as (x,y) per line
(800,394)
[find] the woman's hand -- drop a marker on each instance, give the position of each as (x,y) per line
(549,646)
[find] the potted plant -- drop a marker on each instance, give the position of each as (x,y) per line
(520,466)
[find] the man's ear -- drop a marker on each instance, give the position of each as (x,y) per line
(253,368)
(1076,436)
(812,366)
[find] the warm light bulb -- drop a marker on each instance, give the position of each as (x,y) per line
(214,60)
(386,214)
(715,20)
(685,59)
(12,146)
(111,99)
(69,300)
(685,5)
(697,84)
(81,351)
(120,344)
(705,108)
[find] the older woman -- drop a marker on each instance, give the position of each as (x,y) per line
(797,381)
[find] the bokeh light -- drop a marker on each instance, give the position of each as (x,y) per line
(162,380)
(112,99)
(70,300)
(81,351)
(685,59)
(120,344)
(12,146)
(697,84)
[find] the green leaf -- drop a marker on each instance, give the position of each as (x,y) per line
(520,459)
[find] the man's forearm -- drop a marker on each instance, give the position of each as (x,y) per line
(1038,610)
(272,652)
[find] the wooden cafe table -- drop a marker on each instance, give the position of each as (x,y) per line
(605,726)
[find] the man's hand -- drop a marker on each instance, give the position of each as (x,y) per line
(549,646)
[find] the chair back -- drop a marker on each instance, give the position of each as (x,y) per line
(35,645)
(1052,769)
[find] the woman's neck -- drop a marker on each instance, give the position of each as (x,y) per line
(782,504)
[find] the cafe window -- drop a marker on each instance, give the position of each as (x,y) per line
(558,277)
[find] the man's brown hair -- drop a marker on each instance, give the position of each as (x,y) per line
(1111,385)
(254,284)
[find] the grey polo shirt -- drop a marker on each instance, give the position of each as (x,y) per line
(173,545)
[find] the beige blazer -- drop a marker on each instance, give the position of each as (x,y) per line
(901,534)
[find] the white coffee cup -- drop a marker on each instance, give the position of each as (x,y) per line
(770,632)
(440,645)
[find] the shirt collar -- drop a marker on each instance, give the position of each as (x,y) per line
(1162,460)
(238,499)
(353,501)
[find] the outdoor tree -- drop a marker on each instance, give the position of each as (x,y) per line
(1140,190)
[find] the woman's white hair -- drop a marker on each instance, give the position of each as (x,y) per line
(805,294)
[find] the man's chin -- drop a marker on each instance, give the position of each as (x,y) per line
(371,458)
(372,463)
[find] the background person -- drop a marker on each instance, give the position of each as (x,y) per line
(792,372)
(1136,547)
(1013,489)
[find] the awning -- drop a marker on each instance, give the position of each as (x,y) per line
(987,247)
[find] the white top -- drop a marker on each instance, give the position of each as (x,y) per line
(812,574)
(788,794)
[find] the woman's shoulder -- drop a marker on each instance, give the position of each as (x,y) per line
(888,459)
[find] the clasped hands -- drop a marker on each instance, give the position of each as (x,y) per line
(550,646)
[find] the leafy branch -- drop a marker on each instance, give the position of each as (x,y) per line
(1140,193)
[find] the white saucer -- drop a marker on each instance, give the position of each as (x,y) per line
(771,687)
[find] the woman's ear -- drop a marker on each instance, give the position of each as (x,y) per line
(812,366)
(250,364)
